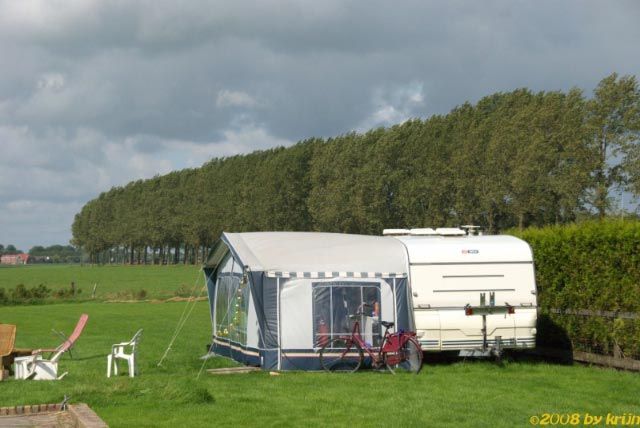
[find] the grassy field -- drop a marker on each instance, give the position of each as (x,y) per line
(114,282)
(458,394)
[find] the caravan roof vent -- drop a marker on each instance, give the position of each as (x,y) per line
(395,232)
(472,230)
(450,231)
(427,231)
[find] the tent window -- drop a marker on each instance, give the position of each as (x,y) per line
(333,303)
(232,301)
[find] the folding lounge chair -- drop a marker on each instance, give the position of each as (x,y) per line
(118,352)
(36,367)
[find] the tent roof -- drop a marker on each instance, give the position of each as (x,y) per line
(314,252)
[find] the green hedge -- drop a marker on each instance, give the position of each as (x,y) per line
(593,266)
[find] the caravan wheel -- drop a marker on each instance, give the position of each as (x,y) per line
(341,355)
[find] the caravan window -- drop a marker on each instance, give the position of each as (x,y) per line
(334,302)
(232,301)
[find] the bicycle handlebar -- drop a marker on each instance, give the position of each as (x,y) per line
(360,310)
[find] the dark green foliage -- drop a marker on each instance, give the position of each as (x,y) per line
(21,294)
(9,250)
(613,121)
(66,293)
(29,295)
(593,266)
(513,159)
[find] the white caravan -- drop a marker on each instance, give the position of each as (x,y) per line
(470,293)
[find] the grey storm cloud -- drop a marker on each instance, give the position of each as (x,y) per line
(94,94)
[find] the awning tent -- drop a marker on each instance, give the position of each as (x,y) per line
(276,297)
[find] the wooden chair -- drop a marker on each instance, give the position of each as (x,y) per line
(8,351)
(36,367)
(7,340)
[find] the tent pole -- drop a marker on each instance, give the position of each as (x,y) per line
(278,322)
(395,305)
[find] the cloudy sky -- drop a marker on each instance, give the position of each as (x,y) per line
(96,93)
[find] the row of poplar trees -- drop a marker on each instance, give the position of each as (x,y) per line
(513,159)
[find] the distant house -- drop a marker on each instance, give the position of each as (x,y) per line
(15,259)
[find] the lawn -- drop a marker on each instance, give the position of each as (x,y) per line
(113,282)
(458,394)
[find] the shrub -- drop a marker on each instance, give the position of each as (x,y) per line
(22,294)
(594,266)
(39,294)
(66,293)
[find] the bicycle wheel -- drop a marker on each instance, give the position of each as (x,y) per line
(341,355)
(408,358)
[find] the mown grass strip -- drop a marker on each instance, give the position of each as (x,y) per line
(459,394)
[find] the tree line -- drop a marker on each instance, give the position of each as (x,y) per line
(56,254)
(9,250)
(50,254)
(513,159)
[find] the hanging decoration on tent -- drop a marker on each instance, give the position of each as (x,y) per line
(236,326)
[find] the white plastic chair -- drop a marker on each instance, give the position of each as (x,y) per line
(119,351)
(37,368)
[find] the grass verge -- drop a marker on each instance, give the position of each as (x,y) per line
(113,282)
(459,394)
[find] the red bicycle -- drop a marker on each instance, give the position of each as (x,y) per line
(399,350)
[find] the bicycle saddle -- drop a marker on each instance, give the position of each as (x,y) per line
(387,324)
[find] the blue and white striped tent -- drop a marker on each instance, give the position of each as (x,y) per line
(276,297)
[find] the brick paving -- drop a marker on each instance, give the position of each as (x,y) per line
(50,416)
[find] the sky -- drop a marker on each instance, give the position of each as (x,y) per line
(94,94)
